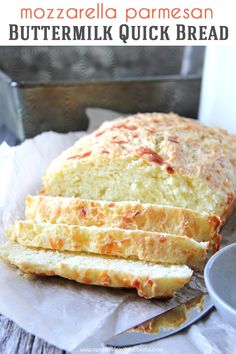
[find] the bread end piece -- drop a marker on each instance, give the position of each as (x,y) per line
(183,163)
(150,280)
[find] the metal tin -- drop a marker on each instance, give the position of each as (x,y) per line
(31,108)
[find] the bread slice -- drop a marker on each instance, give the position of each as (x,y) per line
(152,158)
(136,244)
(125,215)
(150,280)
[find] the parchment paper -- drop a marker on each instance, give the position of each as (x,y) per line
(77,317)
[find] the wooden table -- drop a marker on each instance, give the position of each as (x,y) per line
(14,340)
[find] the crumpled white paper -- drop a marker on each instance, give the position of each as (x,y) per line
(71,316)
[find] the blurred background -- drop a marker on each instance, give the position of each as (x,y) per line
(49,88)
(59,64)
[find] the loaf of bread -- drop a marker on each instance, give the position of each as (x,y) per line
(136,244)
(155,158)
(150,280)
(126,215)
(132,205)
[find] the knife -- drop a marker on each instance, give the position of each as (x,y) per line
(165,324)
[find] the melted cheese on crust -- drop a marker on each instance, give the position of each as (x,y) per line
(151,158)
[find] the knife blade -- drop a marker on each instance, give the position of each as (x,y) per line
(165,324)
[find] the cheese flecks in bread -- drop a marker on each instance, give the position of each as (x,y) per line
(150,280)
(126,215)
(152,158)
(136,244)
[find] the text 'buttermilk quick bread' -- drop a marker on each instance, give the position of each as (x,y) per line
(136,244)
(125,215)
(151,158)
(150,279)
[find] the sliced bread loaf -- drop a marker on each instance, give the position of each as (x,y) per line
(126,215)
(136,244)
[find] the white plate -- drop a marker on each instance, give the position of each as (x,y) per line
(220,278)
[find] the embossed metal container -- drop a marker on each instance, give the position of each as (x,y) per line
(37,92)
(31,108)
